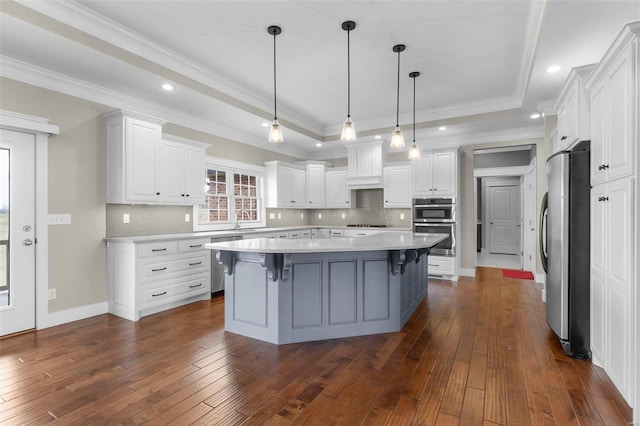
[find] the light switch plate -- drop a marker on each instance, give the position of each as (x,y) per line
(187,217)
(401,216)
(125,218)
(344,216)
(52,294)
(60,219)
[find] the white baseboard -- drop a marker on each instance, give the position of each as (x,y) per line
(467,272)
(75,314)
(540,278)
(544,295)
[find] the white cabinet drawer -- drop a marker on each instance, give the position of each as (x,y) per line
(282,234)
(337,233)
(171,291)
(440,265)
(159,248)
(186,246)
(151,270)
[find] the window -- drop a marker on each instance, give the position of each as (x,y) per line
(233,194)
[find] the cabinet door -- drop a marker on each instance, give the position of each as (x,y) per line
(298,188)
(422,171)
(336,193)
(568,118)
(620,118)
(444,173)
(597,134)
(397,183)
(194,174)
(284,182)
(598,272)
(142,152)
(315,185)
(172,173)
(620,260)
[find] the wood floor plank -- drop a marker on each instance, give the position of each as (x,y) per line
(475,352)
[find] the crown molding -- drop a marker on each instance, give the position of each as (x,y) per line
(433,115)
(85,20)
(47,79)
(537,12)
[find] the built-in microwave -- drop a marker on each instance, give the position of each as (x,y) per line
(445,247)
(432,210)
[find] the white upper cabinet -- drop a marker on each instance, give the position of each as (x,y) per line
(434,175)
(315,185)
(337,195)
(183,173)
(397,186)
(613,116)
(134,149)
(365,164)
(572,107)
(285,185)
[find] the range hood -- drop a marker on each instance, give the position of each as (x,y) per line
(365,161)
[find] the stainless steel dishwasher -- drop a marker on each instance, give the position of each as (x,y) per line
(217,269)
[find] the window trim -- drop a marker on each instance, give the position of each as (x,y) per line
(231,167)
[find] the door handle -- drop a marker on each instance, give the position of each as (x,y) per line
(27,242)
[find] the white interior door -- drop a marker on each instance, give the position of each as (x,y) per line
(17,233)
(504,219)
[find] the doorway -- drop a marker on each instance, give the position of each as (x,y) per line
(17,232)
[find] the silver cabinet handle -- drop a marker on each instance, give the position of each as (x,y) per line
(162,249)
(196,263)
(159,294)
(195,245)
(160,269)
(195,286)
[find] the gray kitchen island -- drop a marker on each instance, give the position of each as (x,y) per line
(297,290)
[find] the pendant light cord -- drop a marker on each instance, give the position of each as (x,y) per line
(348,74)
(275,97)
(398,95)
(414,110)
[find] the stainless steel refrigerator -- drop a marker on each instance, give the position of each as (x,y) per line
(564,241)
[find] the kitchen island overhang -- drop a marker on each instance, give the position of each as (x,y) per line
(287,291)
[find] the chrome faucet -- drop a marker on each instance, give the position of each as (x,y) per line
(243,212)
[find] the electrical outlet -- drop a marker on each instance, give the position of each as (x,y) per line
(272,215)
(187,217)
(301,215)
(125,218)
(401,216)
(343,216)
(279,215)
(319,215)
(52,293)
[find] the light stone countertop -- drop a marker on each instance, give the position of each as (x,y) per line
(231,232)
(382,241)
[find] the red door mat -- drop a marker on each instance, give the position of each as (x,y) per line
(514,273)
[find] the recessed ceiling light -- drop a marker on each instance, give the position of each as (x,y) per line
(377,137)
(265,124)
(168,87)
(534,116)
(319,144)
(441,128)
(554,68)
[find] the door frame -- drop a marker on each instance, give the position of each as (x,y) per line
(41,129)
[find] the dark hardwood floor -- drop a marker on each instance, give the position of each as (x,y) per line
(476,352)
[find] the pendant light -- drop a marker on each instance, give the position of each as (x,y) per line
(348,128)
(414,152)
(397,139)
(275,132)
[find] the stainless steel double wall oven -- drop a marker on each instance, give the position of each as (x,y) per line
(436,215)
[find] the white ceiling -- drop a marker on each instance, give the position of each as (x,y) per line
(482,63)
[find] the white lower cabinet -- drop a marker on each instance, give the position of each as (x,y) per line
(148,277)
(441,265)
(612,292)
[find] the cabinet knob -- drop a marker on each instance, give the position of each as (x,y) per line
(563,138)
(187,195)
(605,198)
(157,193)
(182,195)
(605,166)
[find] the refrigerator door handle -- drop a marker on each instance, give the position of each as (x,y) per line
(543,231)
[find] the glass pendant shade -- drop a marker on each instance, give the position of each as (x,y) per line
(397,139)
(275,132)
(414,152)
(348,131)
